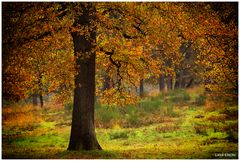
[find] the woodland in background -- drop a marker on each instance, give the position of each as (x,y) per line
(85,55)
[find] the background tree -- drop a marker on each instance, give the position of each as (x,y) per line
(217,40)
(30,48)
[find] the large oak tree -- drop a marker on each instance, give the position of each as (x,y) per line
(121,37)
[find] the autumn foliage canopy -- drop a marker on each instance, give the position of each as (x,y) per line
(134,41)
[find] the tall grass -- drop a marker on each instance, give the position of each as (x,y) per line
(200,100)
(106,115)
(179,96)
(147,111)
(22,117)
(162,126)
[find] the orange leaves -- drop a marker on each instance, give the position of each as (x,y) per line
(48,60)
(220,73)
(145,39)
(113,97)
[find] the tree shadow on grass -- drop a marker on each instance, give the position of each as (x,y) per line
(58,154)
(83,154)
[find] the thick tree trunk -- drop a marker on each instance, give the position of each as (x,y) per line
(141,88)
(83,131)
(161,83)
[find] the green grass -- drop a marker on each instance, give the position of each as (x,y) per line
(157,128)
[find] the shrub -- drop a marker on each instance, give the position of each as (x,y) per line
(179,96)
(200,100)
(107,115)
(229,100)
(68,107)
(217,118)
(133,119)
(212,105)
(168,110)
(131,115)
(232,136)
(231,112)
(167,128)
(150,105)
(21,117)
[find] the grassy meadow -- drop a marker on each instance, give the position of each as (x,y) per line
(180,124)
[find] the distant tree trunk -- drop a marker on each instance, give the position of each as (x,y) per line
(136,89)
(161,83)
(83,135)
(183,83)
(41,99)
(169,83)
(106,83)
(35,101)
(190,83)
(179,80)
(176,84)
(40,89)
(141,88)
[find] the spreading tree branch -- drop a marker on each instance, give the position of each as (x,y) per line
(117,64)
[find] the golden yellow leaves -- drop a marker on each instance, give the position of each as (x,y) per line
(147,26)
(217,63)
(114,97)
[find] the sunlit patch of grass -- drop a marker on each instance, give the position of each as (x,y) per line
(150,142)
(168,127)
(47,125)
(147,143)
(43,141)
(46,141)
(157,128)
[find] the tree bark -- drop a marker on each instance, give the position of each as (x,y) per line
(40,86)
(179,80)
(169,83)
(41,99)
(190,83)
(141,88)
(161,83)
(35,101)
(83,131)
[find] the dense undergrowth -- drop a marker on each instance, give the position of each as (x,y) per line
(176,124)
